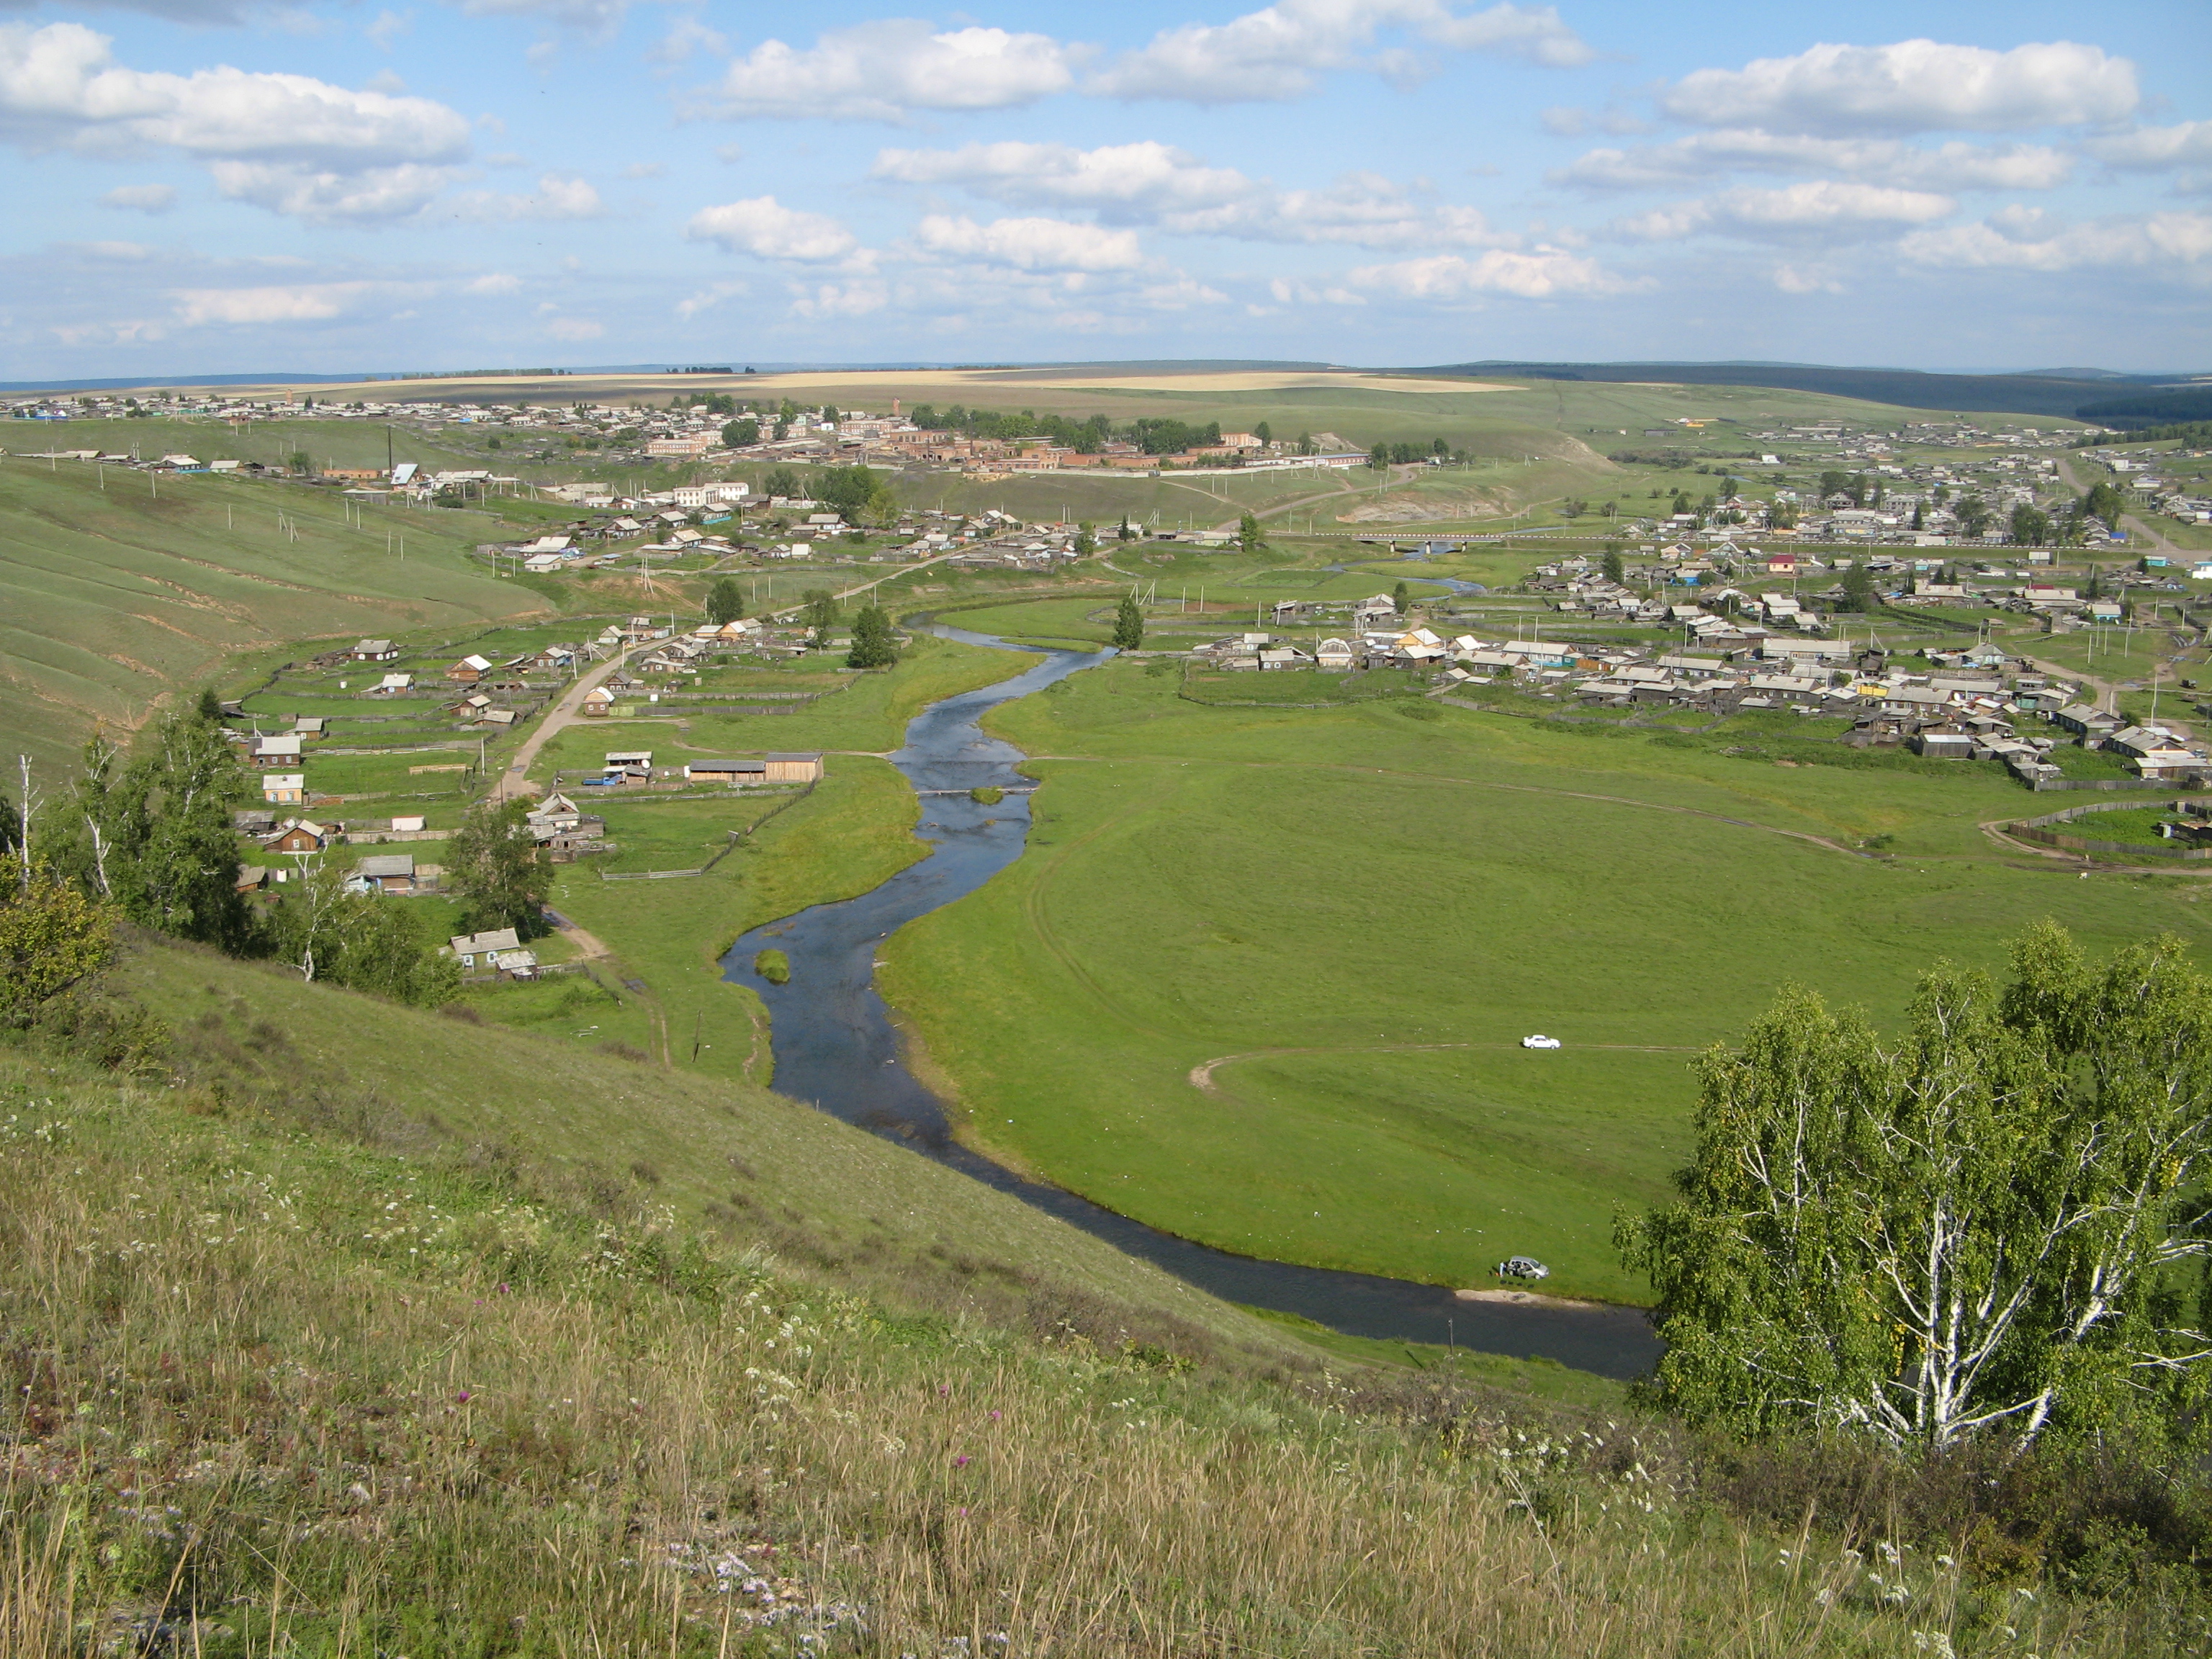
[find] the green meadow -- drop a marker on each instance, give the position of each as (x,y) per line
(1354,915)
(112,598)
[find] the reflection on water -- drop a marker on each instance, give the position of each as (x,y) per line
(836,1048)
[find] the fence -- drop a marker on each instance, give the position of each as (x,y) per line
(737,837)
(2039,831)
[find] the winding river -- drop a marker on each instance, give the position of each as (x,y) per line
(836,1048)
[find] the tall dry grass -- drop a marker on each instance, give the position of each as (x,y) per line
(273,1395)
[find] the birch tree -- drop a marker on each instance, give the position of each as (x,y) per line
(1993,1224)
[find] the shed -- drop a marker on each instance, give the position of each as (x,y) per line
(284,788)
(726,771)
(794,766)
(277,748)
(1942,744)
(384,872)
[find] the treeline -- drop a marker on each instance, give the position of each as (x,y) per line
(147,839)
(2188,432)
(1153,436)
(2191,405)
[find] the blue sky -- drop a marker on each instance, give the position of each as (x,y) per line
(222,186)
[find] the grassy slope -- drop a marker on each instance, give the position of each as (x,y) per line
(773,1171)
(409,1389)
(109,599)
(1376,909)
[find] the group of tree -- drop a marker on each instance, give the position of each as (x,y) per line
(859,494)
(1992,1223)
(148,839)
(1381,455)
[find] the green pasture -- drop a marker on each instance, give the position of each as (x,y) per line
(380,775)
(676,832)
(112,598)
(1360,913)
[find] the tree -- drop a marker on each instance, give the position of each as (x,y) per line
(1614,570)
(1264,432)
(1128,624)
(301,462)
(360,940)
(1859,593)
(2030,526)
(53,936)
(1973,1228)
(1248,533)
(1085,542)
(738,434)
(782,481)
(492,867)
(153,835)
(1402,596)
(1129,531)
(1920,516)
(1974,515)
(725,601)
(819,612)
(860,493)
(872,640)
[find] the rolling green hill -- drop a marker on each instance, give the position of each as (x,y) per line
(117,589)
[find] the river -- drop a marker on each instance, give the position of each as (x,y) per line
(836,1048)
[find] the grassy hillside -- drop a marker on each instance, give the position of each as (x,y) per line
(345,1330)
(1352,916)
(111,599)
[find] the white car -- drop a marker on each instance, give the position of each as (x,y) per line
(1540,1041)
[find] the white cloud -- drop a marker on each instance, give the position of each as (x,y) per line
(1030,244)
(826,300)
(284,142)
(879,71)
(707,297)
(1362,209)
(1911,85)
(1821,207)
(1701,156)
(306,302)
(1152,183)
(2151,148)
(1277,52)
(1540,274)
(493,283)
(329,196)
(1805,279)
(388,26)
(2179,244)
(595,16)
(555,197)
(765,228)
(143,198)
(1136,181)
(575,328)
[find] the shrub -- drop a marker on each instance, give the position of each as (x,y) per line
(773,966)
(987,795)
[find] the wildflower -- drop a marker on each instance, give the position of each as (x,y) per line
(462,1397)
(995,1417)
(961,1462)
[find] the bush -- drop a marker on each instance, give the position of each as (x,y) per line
(987,795)
(773,966)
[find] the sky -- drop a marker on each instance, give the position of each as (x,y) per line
(230,186)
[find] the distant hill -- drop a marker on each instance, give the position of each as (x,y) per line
(2060,393)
